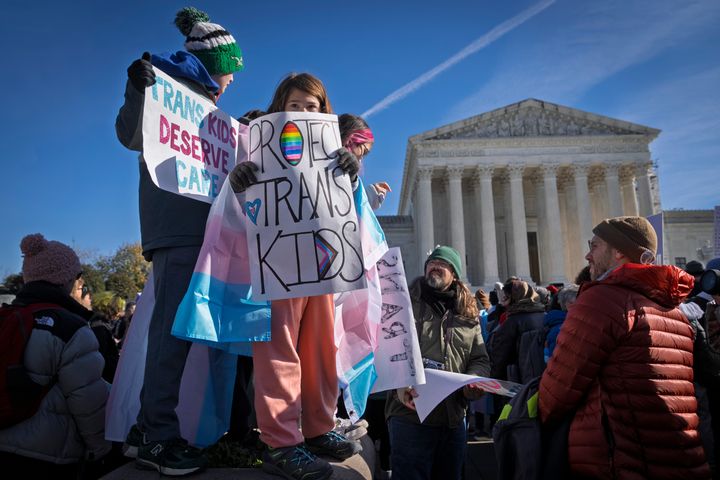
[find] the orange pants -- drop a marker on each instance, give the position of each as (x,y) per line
(295,372)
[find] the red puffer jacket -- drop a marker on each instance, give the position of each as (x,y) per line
(624,362)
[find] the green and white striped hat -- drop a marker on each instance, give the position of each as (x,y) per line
(209,42)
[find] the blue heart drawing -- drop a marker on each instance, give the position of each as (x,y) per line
(252,209)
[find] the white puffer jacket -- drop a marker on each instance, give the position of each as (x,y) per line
(62,349)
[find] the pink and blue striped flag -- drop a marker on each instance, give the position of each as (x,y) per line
(206,388)
(218,309)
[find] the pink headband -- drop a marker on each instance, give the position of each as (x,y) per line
(358,137)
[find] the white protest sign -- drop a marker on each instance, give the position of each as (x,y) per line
(302,227)
(189,145)
(439,384)
(398,360)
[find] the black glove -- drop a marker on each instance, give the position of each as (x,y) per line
(348,162)
(141,73)
(242,176)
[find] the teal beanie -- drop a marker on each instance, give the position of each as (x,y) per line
(449,255)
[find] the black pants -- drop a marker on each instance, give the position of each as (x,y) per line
(242,413)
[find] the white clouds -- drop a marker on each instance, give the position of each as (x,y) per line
(585,44)
(479,44)
(684,107)
(688,149)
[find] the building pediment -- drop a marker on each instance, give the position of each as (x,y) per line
(534,118)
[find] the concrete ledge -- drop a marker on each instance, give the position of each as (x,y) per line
(358,467)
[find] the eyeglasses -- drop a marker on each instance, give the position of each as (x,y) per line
(592,245)
(361,151)
(85,290)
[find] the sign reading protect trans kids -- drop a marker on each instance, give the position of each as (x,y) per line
(189,145)
(303,232)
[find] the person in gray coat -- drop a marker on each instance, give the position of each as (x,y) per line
(66,436)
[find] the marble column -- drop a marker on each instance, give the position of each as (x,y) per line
(642,176)
(612,183)
(424,221)
(627,185)
(457,217)
(543,232)
(582,205)
(519,224)
(485,228)
(554,247)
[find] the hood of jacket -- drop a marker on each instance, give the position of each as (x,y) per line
(185,65)
(554,317)
(666,285)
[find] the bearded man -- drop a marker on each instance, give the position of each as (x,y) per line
(447,323)
(623,364)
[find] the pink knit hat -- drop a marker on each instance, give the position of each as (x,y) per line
(50,261)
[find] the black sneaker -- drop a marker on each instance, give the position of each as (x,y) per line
(132,442)
(333,444)
(295,463)
(174,457)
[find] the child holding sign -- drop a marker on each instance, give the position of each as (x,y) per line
(295,373)
(172,229)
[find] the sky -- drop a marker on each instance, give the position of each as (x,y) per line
(408,66)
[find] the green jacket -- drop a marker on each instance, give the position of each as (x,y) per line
(452,340)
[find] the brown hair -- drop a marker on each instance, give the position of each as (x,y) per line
(466,304)
(349,123)
(518,290)
(305,82)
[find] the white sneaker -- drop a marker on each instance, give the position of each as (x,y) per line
(353,431)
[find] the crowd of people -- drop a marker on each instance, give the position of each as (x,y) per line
(627,354)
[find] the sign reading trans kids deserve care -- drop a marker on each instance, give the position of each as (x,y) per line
(189,145)
(302,229)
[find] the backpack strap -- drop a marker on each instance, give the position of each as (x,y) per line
(26,327)
(37,307)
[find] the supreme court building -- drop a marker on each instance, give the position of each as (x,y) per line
(517,190)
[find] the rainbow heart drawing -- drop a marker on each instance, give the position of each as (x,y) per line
(291,143)
(252,209)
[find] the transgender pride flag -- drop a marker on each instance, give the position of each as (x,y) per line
(368,359)
(372,236)
(357,315)
(206,388)
(217,309)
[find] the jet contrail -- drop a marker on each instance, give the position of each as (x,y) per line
(478,44)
